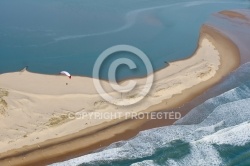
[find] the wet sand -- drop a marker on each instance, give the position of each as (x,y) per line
(92,138)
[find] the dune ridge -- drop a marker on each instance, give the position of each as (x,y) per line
(45,102)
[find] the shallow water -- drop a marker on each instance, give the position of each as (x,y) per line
(213,133)
(217,132)
(51,35)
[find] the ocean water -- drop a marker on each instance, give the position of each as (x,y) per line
(216,132)
(54,35)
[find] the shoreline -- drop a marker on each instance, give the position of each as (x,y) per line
(185,96)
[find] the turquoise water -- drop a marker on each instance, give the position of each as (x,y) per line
(216,132)
(54,35)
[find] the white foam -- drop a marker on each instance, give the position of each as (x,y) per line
(201,154)
(145,163)
(226,123)
(220,127)
(237,135)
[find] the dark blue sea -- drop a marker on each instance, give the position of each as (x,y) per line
(49,36)
(53,35)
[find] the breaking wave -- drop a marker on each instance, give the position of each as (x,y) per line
(217,132)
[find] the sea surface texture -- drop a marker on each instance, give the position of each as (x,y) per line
(216,132)
(49,36)
(54,35)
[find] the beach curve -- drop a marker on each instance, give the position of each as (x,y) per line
(58,146)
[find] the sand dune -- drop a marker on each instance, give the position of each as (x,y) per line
(41,107)
(43,102)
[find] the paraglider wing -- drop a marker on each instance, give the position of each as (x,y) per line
(65,73)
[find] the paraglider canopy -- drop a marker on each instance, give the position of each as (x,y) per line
(65,73)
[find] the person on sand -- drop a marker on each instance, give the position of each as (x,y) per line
(167,64)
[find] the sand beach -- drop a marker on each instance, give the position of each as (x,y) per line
(38,112)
